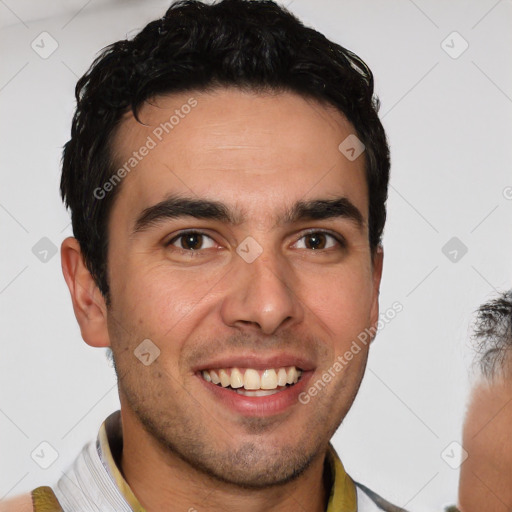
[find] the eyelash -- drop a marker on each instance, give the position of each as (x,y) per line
(341,241)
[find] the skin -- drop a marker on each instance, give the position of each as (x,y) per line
(257,153)
(486,475)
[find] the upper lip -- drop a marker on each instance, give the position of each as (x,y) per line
(257,362)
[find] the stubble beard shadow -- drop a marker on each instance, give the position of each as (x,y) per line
(246,466)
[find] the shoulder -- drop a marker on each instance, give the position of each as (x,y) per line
(41,499)
(21,503)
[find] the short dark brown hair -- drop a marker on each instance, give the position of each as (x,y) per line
(254,44)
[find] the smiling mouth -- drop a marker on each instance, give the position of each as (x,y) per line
(252,382)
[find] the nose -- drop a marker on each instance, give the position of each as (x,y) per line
(263,295)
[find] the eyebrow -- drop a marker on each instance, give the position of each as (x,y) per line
(174,207)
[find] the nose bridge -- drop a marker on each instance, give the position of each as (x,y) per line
(269,276)
(263,291)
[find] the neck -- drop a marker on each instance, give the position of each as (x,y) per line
(162,481)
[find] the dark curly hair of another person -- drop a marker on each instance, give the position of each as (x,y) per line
(249,44)
(493,336)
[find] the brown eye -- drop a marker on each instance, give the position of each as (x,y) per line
(191,241)
(316,241)
(320,240)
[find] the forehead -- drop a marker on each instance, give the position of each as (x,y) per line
(254,150)
(487,430)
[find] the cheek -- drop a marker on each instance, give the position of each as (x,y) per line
(163,305)
(342,298)
(153,292)
(346,313)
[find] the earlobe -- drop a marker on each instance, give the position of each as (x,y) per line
(88,303)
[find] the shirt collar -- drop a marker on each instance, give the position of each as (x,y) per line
(110,445)
(342,497)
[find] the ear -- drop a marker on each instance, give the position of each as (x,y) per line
(377,261)
(88,302)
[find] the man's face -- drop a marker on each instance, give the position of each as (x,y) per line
(299,303)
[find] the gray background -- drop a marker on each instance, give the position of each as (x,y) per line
(448,115)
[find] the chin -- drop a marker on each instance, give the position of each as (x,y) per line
(252,467)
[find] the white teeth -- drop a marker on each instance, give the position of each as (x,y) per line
(269,379)
(237,379)
(281,377)
(252,379)
(291,375)
(225,381)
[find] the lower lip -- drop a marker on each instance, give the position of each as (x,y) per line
(259,405)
